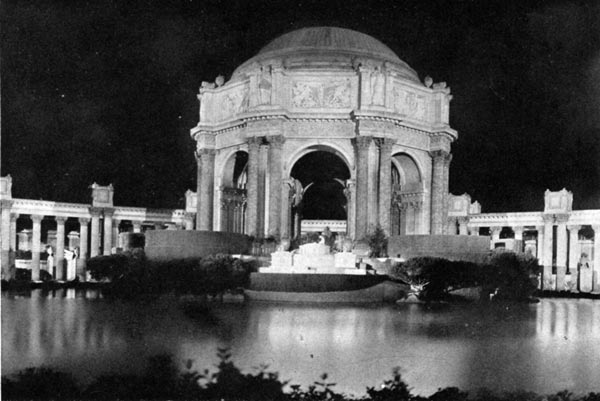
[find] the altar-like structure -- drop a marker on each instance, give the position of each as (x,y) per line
(314,258)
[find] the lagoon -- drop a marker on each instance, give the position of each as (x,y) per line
(544,347)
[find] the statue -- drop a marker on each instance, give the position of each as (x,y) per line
(50,259)
(265,85)
(203,87)
(297,191)
(377,87)
(71,258)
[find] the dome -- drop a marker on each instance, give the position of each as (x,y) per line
(327,46)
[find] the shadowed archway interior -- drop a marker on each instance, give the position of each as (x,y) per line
(324,199)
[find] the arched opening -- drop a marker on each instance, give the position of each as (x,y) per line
(322,193)
(233,196)
(407,196)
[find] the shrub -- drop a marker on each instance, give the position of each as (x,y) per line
(378,243)
(437,276)
(514,276)
(132,275)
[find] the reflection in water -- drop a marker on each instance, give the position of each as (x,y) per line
(544,347)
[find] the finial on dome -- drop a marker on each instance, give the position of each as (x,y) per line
(428,81)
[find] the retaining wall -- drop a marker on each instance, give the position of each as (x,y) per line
(452,247)
(179,244)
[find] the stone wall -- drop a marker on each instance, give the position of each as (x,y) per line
(452,247)
(166,244)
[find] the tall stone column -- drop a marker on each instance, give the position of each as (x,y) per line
(350,194)
(60,248)
(596,229)
(285,210)
(561,251)
(518,230)
(403,207)
(540,244)
(262,190)
(437,191)
(83,248)
(13,231)
(385,183)
(275,183)
(462,225)
(548,284)
(95,234)
(446,188)
(495,236)
(108,233)
(574,252)
(115,233)
(252,187)
(35,246)
(5,238)
(205,190)
(362,185)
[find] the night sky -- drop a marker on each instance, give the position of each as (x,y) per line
(104,91)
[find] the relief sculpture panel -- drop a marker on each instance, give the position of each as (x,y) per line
(330,95)
(410,103)
(228,103)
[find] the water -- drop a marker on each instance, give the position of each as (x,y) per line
(545,347)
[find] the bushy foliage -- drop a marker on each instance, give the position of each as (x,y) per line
(378,243)
(437,276)
(132,275)
(509,275)
(512,275)
(164,380)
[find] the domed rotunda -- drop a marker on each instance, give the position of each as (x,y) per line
(324,127)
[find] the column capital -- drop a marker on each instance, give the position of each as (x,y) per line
(6,203)
(188,216)
(199,153)
(548,218)
(276,141)
(84,221)
(255,141)
(518,229)
(539,228)
(60,219)
(108,211)
(95,211)
(440,155)
(384,144)
(363,142)
(14,217)
(596,228)
(574,227)
(473,229)
(495,229)
(561,218)
(463,219)
(36,218)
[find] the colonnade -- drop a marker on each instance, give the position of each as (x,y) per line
(556,244)
(93,230)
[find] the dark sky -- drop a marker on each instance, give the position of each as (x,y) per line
(105,90)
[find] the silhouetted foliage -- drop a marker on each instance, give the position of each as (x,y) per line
(163,380)
(132,275)
(509,275)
